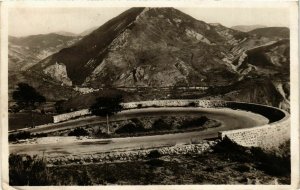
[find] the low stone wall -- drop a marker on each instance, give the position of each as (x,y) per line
(145,104)
(70,115)
(133,155)
(174,103)
(273,114)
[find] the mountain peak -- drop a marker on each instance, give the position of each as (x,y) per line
(145,33)
(150,47)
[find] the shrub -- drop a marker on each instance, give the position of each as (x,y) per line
(84,178)
(268,161)
(59,106)
(137,122)
(19,136)
(134,126)
(284,150)
(24,135)
(232,151)
(78,132)
(154,154)
(242,168)
(110,174)
(161,124)
(139,106)
(195,122)
(192,104)
(155,162)
(26,170)
(111,178)
(271,162)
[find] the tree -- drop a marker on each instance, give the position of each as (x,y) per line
(27,97)
(107,106)
(59,107)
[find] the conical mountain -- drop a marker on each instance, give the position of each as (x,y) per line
(148,47)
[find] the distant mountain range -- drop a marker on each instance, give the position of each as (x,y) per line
(163,47)
(25,52)
(247,28)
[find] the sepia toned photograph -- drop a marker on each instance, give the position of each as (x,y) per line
(133,95)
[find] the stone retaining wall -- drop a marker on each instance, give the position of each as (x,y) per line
(268,136)
(174,103)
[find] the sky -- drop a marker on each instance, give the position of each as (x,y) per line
(30,21)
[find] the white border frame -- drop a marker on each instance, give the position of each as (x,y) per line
(294,79)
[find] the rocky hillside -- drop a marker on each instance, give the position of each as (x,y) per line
(158,47)
(152,47)
(272,32)
(86,54)
(25,52)
(269,60)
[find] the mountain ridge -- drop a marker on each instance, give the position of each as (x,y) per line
(24,52)
(273,32)
(163,47)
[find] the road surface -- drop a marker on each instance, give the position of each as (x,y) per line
(230,119)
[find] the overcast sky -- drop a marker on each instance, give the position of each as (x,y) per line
(30,21)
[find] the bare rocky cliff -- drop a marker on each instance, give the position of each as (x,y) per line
(59,73)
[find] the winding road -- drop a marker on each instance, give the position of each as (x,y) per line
(230,119)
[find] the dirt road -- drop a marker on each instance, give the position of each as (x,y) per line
(230,119)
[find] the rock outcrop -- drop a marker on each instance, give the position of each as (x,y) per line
(58,72)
